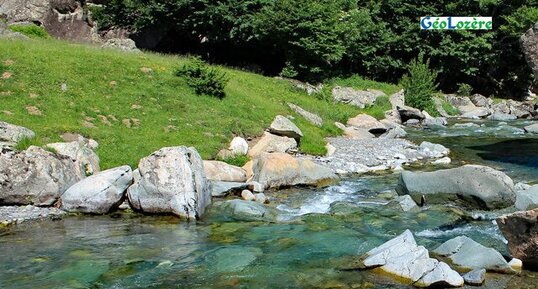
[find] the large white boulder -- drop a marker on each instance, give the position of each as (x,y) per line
(171,180)
(238,146)
(403,258)
(527,199)
(36,176)
(98,194)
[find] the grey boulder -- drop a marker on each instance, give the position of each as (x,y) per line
(478,185)
(432,150)
(171,181)
(309,116)
(11,134)
(468,254)
(98,194)
(36,176)
(79,151)
(475,277)
(221,189)
(502,116)
(527,199)
(282,126)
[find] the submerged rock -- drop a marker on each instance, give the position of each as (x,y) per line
(466,253)
(533,128)
(36,176)
(402,257)
(479,185)
(281,170)
(241,210)
(171,180)
(233,258)
(98,194)
(521,231)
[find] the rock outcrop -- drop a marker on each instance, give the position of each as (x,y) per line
(468,254)
(521,231)
(529,45)
(66,19)
(171,181)
(98,194)
(281,170)
(36,176)
(403,258)
(358,98)
(477,185)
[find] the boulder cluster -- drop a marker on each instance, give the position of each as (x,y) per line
(172,180)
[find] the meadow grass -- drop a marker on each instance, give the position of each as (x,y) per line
(99,93)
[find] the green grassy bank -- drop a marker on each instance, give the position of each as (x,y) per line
(111,97)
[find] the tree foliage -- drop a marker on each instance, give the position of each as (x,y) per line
(316,39)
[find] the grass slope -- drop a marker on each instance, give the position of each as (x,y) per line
(106,88)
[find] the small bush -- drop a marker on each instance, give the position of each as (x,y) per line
(237,160)
(464,89)
(419,85)
(451,110)
(30,30)
(204,78)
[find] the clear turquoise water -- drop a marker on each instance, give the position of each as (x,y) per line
(314,244)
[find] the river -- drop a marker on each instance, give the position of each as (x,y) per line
(319,234)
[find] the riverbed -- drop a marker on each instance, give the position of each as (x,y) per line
(319,234)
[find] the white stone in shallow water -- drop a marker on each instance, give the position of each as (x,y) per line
(402,257)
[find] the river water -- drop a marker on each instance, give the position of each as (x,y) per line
(314,244)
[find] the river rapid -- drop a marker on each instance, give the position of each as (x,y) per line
(314,244)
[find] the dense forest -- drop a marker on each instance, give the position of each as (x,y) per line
(314,40)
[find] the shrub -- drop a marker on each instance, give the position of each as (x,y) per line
(419,85)
(464,89)
(30,30)
(204,78)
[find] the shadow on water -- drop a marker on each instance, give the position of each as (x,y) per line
(522,152)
